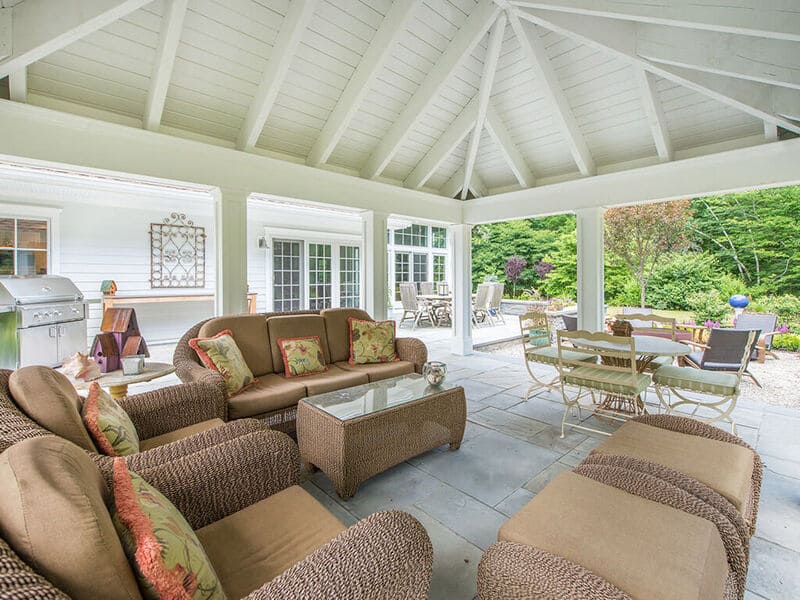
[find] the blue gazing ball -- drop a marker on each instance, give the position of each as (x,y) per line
(738,301)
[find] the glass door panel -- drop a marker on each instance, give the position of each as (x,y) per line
(349,276)
(286,275)
(319,276)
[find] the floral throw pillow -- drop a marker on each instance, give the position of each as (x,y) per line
(220,353)
(302,356)
(165,554)
(109,425)
(371,341)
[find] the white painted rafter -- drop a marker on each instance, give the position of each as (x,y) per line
(618,38)
(460,47)
(455,184)
(534,50)
(18,86)
(170,35)
(654,112)
(283,50)
(6,43)
(36,31)
(513,157)
(770,132)
(444,146)
(771,61)
(484,93)
(777,19)
(392,27)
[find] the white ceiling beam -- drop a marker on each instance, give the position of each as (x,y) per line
(392,27)
(513,157)
(654,112)
(170,35)
(460,47)
(455,184)
(444,146)
(771,61)
(283,50)
(40,28)
(618,38)
(777,19)
(786,103)
(6,42)
(534,50)
(18,86)
(770,132)
(484,93)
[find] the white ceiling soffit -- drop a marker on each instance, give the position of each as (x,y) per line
(406,91)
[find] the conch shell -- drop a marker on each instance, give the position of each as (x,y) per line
(80,366)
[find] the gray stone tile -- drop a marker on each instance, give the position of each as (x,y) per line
(475,390)
(779,511)
(490,466)
(748,595)
(461,374)
(541,410)
(551,439)
(474,405)
(502,378)
(516,426)
(502,401)
(788,468)
(455,560)
(575,456)
(773,571)
(340,512)
(780,436)
(469,518)
(512,504)
(537,484)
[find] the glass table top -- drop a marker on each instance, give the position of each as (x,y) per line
(371,398)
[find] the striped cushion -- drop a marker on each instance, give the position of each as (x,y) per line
(599,378)
(696,380)
(549,355)
(658,362)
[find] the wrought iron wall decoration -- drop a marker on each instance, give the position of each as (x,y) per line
(177,253)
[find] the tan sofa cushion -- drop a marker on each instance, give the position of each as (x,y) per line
(726,468)
(250,334)
(338,330)
(48,398)
(54,516)
(334,379)
(253,546)
(295,326)
(379,371)
(644,548)
(179,434)
(269,393)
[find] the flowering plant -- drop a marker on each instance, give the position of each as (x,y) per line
(711,324)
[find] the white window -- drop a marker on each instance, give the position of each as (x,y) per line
(439,268)
(319,276)
(23,246)
(349,276)
(286,275)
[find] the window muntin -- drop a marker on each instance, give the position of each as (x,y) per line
(439,268)
(413,235)
(286,275)
(420,268)
(439,235)
(349,276)
(319,276)
(23,246)
(402,271)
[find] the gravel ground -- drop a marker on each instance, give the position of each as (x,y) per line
(779,378)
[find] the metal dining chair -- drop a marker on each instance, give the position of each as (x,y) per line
(723,352)
(570,322)
(764,322)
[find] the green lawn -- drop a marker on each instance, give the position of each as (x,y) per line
(681,316)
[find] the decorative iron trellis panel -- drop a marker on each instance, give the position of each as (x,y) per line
(177,253)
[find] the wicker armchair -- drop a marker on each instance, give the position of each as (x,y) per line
(386,555)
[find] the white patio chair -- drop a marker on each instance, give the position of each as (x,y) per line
(426,288)
(494,304)
(412,308)
(480,304)
(648,324)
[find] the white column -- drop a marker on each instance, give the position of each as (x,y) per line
(231,246)
(591,277)
(460,242)
(376,276)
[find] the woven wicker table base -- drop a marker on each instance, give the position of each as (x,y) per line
(351,451)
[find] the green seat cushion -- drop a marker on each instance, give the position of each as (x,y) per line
(697,380)
(658,362)
(549,355)
(599,378)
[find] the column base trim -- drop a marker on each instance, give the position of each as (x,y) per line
(461,346)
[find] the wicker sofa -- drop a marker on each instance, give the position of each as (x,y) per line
(58,540)
(274,397)
(663,509)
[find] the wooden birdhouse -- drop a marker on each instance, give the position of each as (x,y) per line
(108,287)
(105,352)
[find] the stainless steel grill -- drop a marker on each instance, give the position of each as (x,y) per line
(42,320)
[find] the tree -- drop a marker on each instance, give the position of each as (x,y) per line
(642,235)
(513,270)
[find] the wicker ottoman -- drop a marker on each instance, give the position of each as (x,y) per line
(358,432)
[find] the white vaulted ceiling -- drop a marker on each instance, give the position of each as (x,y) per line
(393,90)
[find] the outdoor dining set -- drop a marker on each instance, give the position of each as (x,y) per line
(616,368)
(432,303)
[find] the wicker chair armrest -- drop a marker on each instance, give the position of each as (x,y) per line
(511,571)
(388,555)
(218,480)
(170,408)
(413,350)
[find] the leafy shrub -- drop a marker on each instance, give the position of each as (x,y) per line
(682,275)
(708,305)
(787,341)
(786,306)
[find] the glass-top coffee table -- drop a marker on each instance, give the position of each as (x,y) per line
(358,432)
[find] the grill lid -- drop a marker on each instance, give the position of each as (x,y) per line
(32,289)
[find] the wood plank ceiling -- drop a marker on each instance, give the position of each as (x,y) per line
(445,95)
